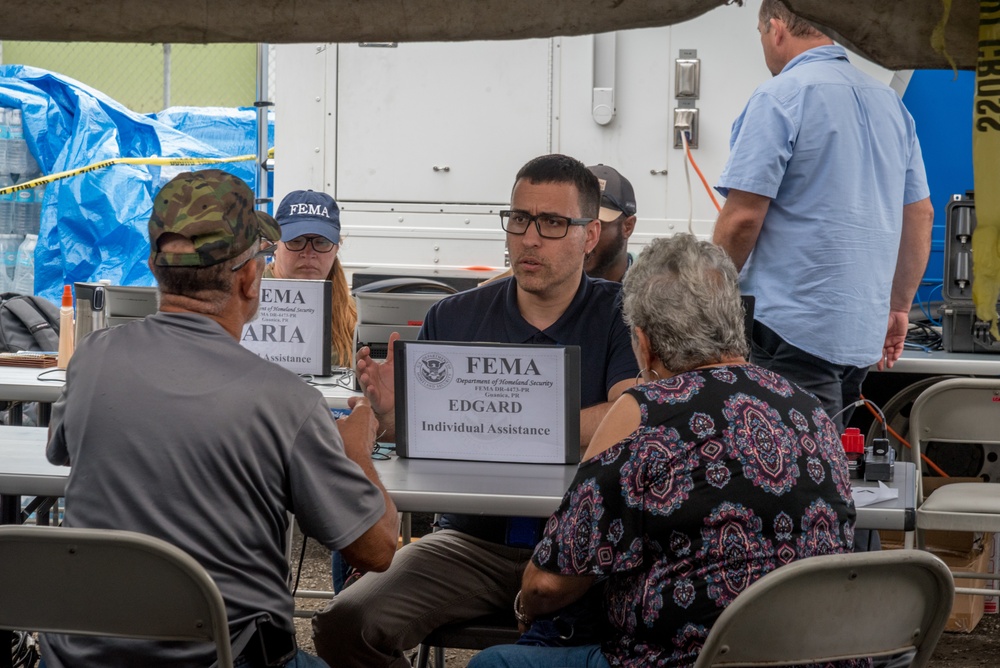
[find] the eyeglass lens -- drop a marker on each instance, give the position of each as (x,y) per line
(319,244)
(553,227)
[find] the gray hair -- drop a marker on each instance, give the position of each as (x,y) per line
(684,294)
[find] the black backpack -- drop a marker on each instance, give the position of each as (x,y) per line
(28,323)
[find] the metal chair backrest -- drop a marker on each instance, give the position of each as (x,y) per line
(957,410)
(835,607)
(108,583)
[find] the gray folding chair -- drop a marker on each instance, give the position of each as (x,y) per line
(966,412)
(835,607)
(108,583)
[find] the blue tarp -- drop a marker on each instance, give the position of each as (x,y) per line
(93,224)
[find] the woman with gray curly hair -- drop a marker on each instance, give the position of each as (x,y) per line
(700,480)
(683,301)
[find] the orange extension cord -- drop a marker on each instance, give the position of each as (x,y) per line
(701,176)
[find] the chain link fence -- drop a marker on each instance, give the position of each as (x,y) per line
(148,78)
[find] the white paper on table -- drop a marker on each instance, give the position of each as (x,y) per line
(866,496)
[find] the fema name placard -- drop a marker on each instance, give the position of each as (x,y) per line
(293,323)
(487,402)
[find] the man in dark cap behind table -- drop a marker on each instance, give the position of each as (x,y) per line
(169,435)
(610,259)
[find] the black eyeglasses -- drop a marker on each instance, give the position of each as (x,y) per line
(548,226)
(263,252)
(319,244)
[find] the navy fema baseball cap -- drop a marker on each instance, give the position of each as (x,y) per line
(308,212)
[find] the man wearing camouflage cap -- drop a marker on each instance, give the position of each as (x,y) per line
(169,435)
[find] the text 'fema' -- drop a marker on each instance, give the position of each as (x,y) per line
(502,366)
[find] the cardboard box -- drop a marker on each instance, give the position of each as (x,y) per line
(962,551)
(967,609)
(990,602)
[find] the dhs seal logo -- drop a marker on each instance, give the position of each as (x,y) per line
(433,371)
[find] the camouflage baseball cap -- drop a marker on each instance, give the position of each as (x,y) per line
(212,208)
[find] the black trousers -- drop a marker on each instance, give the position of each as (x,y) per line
(835,385)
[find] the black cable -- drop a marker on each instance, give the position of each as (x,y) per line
(53,375)
(298,571)
(923,335)
(346,379)
(342,376)
(383,451)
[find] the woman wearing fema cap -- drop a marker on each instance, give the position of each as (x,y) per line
(310,239)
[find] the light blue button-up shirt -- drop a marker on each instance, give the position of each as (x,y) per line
(837,153)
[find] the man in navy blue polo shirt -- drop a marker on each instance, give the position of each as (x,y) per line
(473,566)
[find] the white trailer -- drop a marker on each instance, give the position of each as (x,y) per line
(420,142)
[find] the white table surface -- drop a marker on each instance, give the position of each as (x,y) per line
(27,384)
(19,383)
(24,471)
(476,488)
(535,490)
(24,384)
(899,514)
(426,485)
(337,389)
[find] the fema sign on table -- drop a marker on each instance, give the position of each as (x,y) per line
(487,402)
(292,327)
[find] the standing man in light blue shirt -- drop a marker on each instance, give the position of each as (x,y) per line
(827,213)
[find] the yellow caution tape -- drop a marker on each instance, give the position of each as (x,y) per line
(162,162)
(985,154)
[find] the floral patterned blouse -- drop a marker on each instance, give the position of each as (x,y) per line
(732,472)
